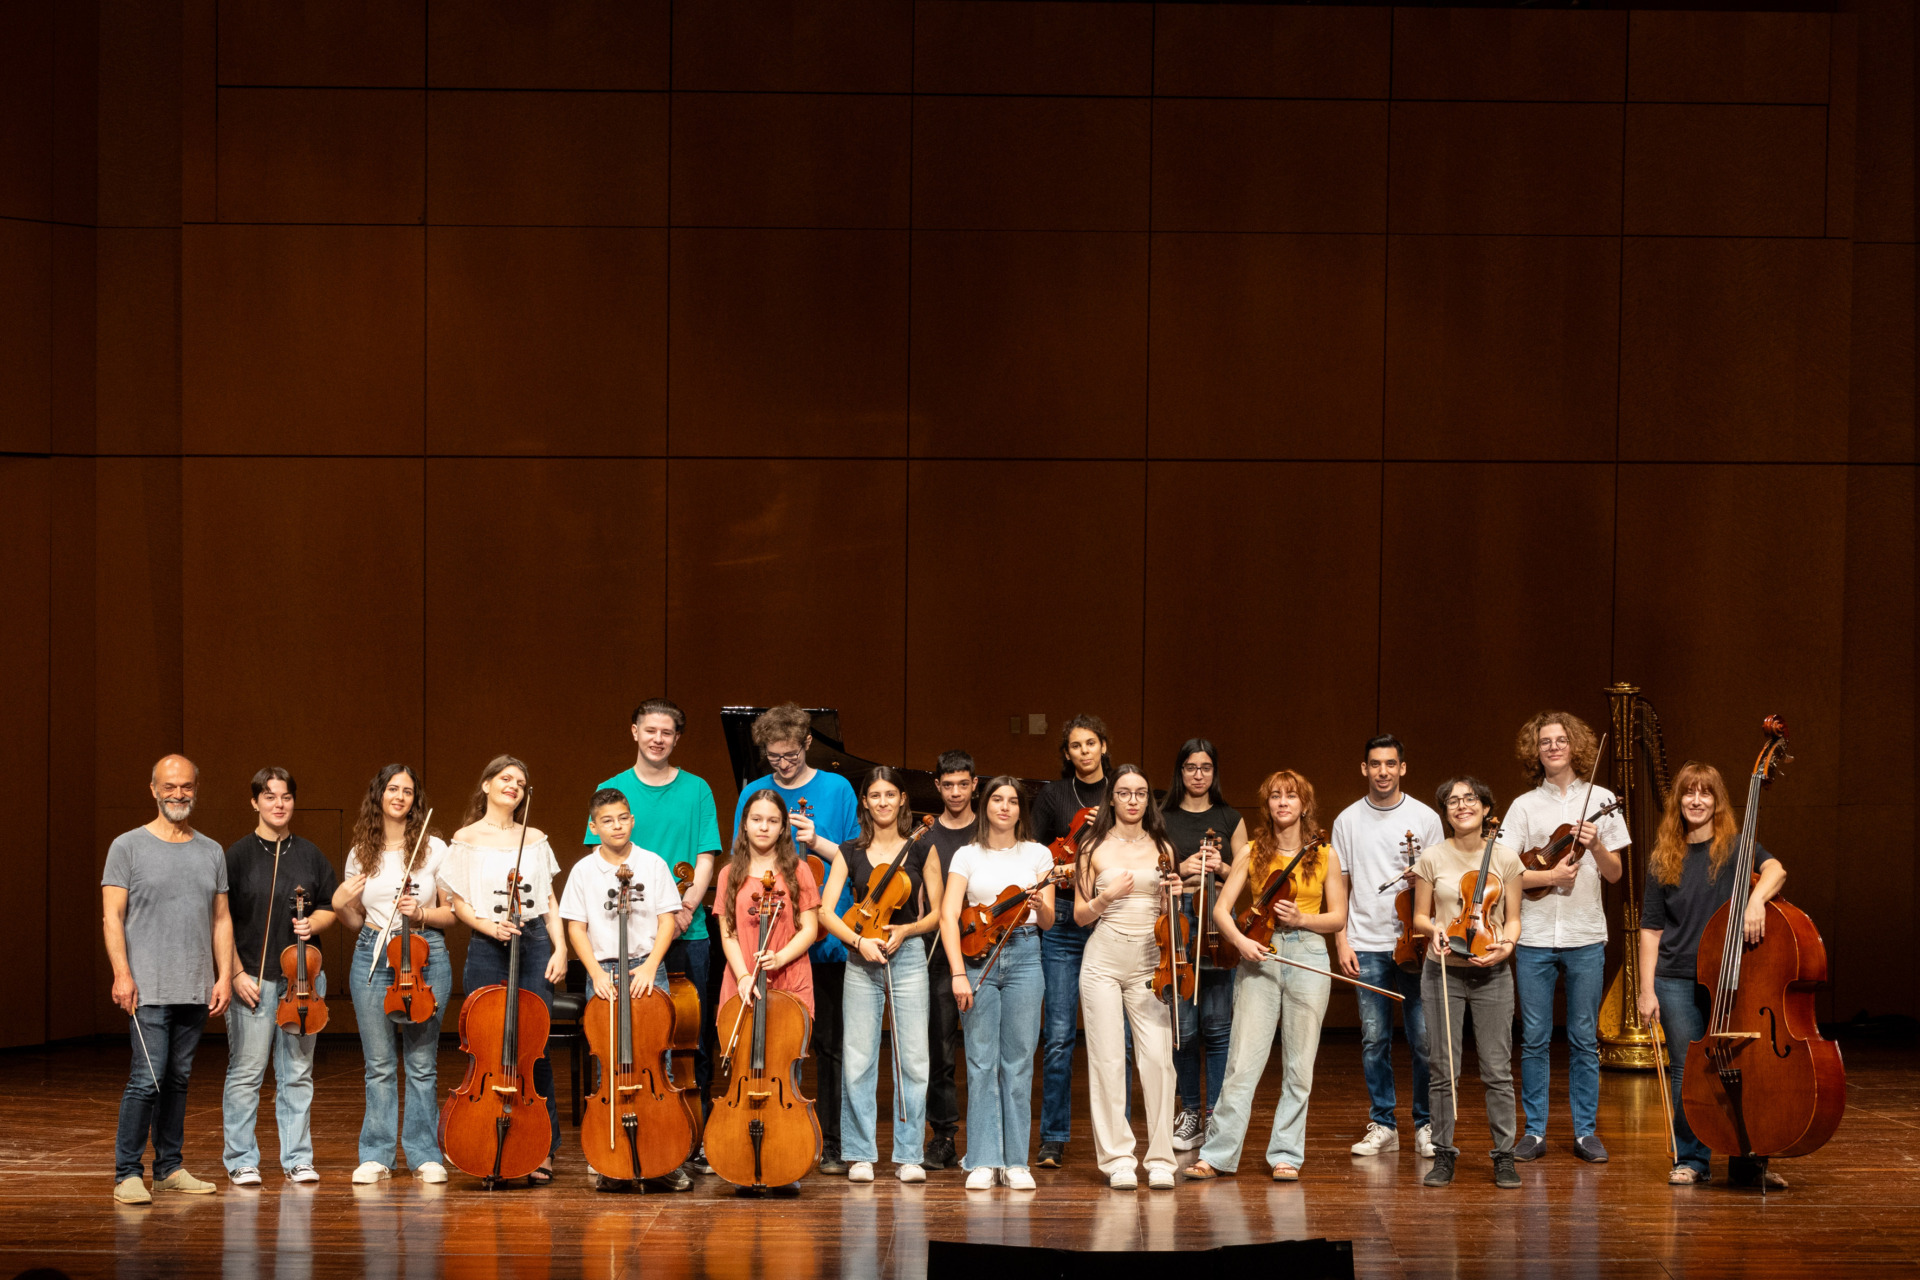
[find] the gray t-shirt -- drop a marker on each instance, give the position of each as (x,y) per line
(170,890)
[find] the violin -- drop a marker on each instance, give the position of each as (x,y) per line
(409,998)
(1761,1081)
(983,927)
(763,1131)
(1406,943)
(1178,971)
(637,1124)
(1560,846)
(495,1125)
(1066,849)
(1213,944)
(803,808)
(1468,935)
(887,891)
(1257,922)
(302,1011)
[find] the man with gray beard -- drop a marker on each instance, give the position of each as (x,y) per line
(164,894)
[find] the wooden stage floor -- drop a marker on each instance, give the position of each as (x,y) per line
(1853,1210)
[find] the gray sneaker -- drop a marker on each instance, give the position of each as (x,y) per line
(1588,1148)
(1188,1130)
(1530,1147)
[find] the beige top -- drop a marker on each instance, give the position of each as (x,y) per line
(1134,915)
(1442,866)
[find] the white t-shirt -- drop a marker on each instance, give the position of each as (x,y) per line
(592,895)
(383,885)
(990,872)
(1573,916)
(478,874)
(1370,843)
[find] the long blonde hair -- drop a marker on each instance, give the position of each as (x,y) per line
(1266,836)
(1670,845)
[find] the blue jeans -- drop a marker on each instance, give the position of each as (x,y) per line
(1206,1024)
(487,965)
(1376,1037)
(252,1038)
(1060,950)
(1683,1020)
(690,956)
(385,1044)
(1583,969)
(1267,996)
(863,1006)
(1002,1030)
(163,1038)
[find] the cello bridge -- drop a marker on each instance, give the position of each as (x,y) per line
(759,1095)
(505,1088)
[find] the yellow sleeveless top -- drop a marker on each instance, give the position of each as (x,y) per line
(1309,878)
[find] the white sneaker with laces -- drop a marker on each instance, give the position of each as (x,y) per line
(982,1179)
(247,1177)
(1159,1179)
(1379,1139)
(1019,1178)
(860,1171)
(433,1171)
(369,1173)
(912,1173)
(1123,1180)
(304,1173)
(1423,1142)
(1188,1130)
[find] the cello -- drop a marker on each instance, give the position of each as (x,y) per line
(1468,934)
(495,1125)
(636,1124)
(409,998)
(1761,1081)
(763,1131)
(303,1010)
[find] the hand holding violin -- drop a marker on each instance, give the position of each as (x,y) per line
(803,832)
(1207,860)
(1288,915)
(1564,873)
(1497,952)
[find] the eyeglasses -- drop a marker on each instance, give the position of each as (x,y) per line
(1196,770)
(785,757)
(1463,802)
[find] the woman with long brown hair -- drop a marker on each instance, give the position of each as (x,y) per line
(391,822)
(482,857)
(765,843)
(1266,994)
(1689,877)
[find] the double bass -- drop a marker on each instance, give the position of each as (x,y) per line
(495,1125)
(763,1131)
(302,1010)
(638,1123)
(1761,1081)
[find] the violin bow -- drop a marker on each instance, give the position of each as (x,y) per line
(1587,800)
(1338,977)
(273,885)
(406,878)
(1666,1096)
(1033,891)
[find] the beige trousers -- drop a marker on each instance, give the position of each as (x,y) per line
(1116,976)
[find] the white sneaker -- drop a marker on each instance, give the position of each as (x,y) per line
(247,1177)
(1423,1142)
(1123,1180)
(911,1173)
(1018,1178)
(981,1179)
(1379,1139)
(860,1171)
(432,1171)
(1188,1131)
(304,1173)
(1159,1179)
(369,1173)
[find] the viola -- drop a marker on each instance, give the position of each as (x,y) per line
(1178,971)
(409,998)
(495,1125)
(302,1010)
(1762,1081)
(1560,846)
(637,1123)
(1257,922)
(887,891)
(982,927)
(763,1131)
(1066,849)
(1468,934)
(1406,943)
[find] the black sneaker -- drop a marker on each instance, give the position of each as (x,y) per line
(1442,1172)
(831,1164)
(940,1154)
(1530,1147)
(1505,1175)
(1589,1149)
(1051,1155)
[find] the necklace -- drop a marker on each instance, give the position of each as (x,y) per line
(1120,839)
(1079,800)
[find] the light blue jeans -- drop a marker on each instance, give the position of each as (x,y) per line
(1002,1031)
(252,1038)
(1266,996)
(1584,970)
(384,1044)
(864,1002)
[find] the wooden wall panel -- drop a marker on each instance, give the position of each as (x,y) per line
(1222,165)
(1266,346)
(1262,620)
(1029,343)
(26,331)
(1884,156)
(571,44)
(789,342)
(786,579)
(817,46)
(137,340)
(546,159)
(1006,46)
(1726,170)
(71,338)
(311,334)
(1509,54)
(976,664)
(1734,349)
(1502,347)
(1880,399)
(1729,57)
(75,181)
(546,340)
(1877,743)
(1280,51)
(332,42)
(1524,168)
(137,147)
(1041,164)
(322,155)
(25,650)
(73,876)
(791,160)
(26,112)
(1472,585)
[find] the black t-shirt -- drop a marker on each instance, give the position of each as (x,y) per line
(1187,829)
(250,876)
(1681,911)
(860,868)
(1058,801)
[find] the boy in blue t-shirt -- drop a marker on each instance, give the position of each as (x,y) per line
(784,734)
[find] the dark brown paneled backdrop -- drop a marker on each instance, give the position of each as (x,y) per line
(416,381)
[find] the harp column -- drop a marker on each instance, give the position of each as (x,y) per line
(1626,1043)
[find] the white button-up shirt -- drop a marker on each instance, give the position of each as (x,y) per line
(1572,916)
